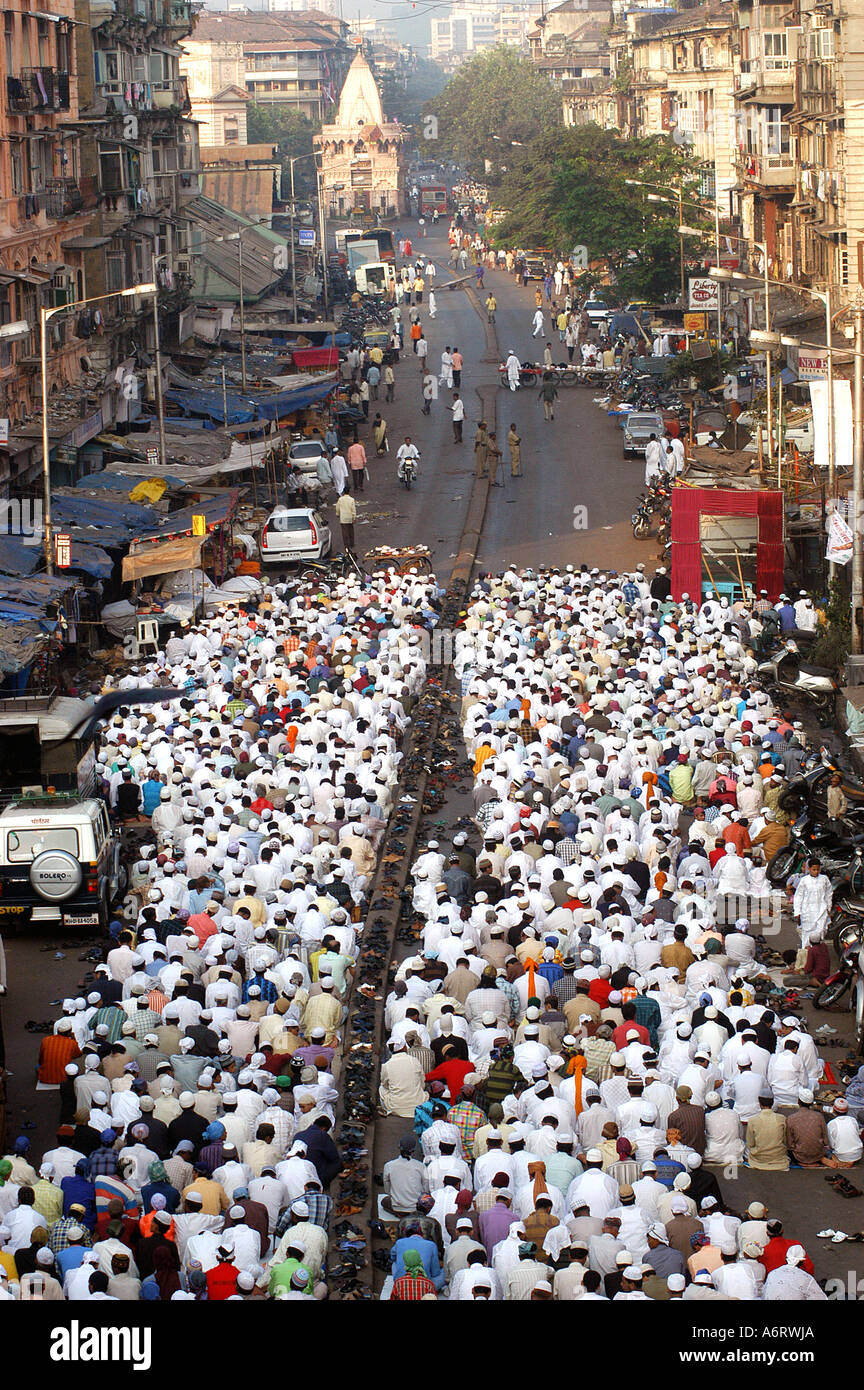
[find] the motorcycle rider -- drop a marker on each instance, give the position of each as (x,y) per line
(406,451)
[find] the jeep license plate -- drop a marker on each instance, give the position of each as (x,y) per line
(81,919)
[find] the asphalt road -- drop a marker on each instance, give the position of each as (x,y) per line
(572,461)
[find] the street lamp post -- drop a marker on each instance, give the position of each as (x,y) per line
(160,407)
(242,314)
(44,316)
(323,234)
(291,162)
(858,489)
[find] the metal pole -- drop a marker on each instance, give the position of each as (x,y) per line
(242,314)
(719,283)
(858,488)
(768,383)
(44,315)
(224,399)
(160,408)
(681,245)
(323,235)
(293,259)
(831,450)
(832,479)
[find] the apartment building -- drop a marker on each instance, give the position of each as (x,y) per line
(471,28)
(43,211)
(291,59)
(215,73)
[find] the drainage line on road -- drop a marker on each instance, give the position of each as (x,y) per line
(363,1030)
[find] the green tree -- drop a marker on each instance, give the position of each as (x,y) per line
(494,99)
(290,131)
(570,187)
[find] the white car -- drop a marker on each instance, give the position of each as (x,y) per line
(305,453)
(293,534)
(597,310)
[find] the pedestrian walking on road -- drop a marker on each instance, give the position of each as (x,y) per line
(422,351)
(491,306)
(389,384)
(514,367)
(537,322)
(365,392)
(457,410)
(494,457)
(446,375)
(340,472)
(416,333)
(548,395)
(433,305)
(457,368)
(429,392)
(373,376)
(379,432)
(357,464)
(346,513)
(514,441)
(481,447)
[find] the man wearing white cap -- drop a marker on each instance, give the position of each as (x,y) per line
(791,1283)
(844,1136)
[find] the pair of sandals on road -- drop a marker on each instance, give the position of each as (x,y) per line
(843,1187)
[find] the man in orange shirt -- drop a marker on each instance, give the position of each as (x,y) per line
(56,1052)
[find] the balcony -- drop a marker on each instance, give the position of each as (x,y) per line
(770,80)
(770,170)
(37,90)
(164,96)
(17,96)
(62,197)
(180,15)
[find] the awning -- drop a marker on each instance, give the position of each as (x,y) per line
(181,553)
(85,243)
(29,277)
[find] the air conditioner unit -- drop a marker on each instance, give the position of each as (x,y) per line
(183,265)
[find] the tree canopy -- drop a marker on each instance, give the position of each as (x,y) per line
(290,130)
(570,188)
(494,99)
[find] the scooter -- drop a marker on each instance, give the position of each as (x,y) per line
(789,675)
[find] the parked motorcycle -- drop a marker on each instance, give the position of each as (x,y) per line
(786,674)
(810,788)
(843,979)
(839,848)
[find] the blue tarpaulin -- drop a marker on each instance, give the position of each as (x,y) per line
(16,557)
(260,405)
(91,559)
(122,483)
(213,509)
(72,510)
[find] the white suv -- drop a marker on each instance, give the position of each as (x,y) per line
(59,862)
